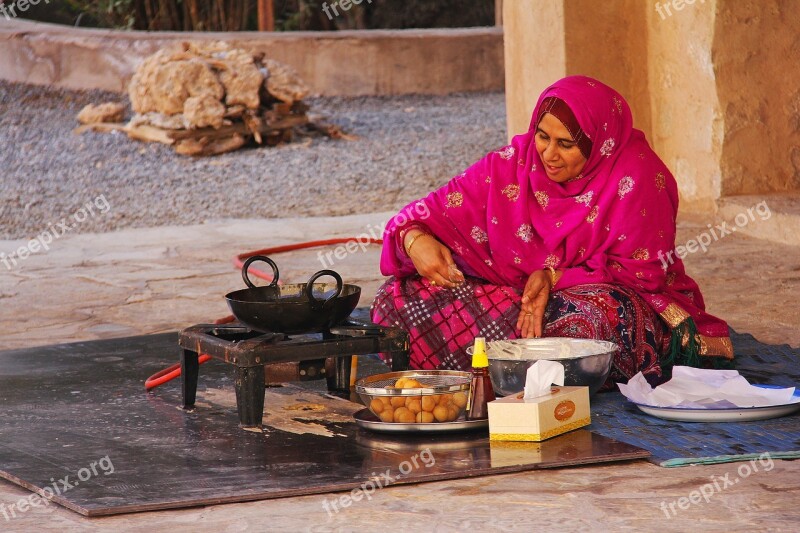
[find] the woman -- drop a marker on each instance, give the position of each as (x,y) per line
(562,233)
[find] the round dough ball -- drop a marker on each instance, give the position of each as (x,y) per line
(440,413)
(445,399)
(387,416)
(399,412)
(415,405)
(424,417)
(428,403)
(376,406)
(400,383)
(386,400)
(452,413)
(460,399)
(406,417)
(398,401)
(412,384)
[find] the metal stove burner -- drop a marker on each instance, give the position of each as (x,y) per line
(283,357)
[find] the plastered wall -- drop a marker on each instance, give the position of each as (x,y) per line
(687,121)
(756,51)
(715,85)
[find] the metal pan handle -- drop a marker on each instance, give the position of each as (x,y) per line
(270,262)
(319,304)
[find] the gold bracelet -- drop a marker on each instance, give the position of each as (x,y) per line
(554,276)
(412,241)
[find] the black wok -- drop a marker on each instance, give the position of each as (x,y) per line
(300,308)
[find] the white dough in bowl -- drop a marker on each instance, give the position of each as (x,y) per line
(552,348)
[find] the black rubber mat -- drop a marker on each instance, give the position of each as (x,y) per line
(79,428)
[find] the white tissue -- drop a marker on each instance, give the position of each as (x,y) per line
(541,375)
(701,388)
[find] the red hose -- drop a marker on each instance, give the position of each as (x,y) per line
(239,260)
(168,374)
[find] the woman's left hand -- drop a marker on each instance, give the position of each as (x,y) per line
(534,303)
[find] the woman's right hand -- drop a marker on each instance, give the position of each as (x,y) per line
(432,259)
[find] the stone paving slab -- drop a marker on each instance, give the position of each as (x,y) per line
(153,280)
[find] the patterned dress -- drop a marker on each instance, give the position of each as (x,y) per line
(442,323)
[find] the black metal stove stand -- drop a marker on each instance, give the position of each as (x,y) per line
(250,351)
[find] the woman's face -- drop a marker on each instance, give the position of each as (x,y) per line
(560,155)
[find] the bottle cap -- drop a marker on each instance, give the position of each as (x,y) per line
(479,357)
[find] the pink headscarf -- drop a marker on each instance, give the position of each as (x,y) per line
(503,218)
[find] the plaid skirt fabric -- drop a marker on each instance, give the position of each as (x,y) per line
(442,323)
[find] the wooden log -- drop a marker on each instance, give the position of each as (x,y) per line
(204,147)
(211,133)
(221,146)
(254,124)
(282,108)
(192,147)
(150,134)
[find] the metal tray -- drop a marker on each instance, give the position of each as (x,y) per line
(366,419)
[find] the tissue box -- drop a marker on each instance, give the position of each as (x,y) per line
(515,419)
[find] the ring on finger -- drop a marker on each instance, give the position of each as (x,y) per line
(433,283)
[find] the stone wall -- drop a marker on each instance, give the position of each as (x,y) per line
(346,63)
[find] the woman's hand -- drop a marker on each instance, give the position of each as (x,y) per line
(432,259)
(534,302)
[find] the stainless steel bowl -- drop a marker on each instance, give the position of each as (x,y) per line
(586,362)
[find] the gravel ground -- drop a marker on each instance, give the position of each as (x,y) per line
(407,146)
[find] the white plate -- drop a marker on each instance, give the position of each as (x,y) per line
(736,414)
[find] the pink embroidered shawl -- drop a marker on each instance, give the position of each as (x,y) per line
(503,217)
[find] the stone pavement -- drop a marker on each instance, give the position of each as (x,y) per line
(141,281)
